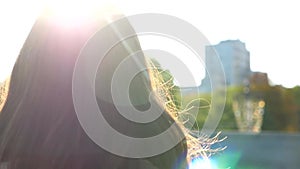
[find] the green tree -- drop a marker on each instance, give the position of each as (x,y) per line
(168,80)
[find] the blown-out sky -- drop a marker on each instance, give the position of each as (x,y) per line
(270,30)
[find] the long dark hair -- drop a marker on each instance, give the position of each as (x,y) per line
(39,128)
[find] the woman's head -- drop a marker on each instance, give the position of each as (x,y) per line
(38,124)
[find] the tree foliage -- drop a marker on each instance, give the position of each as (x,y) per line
(281,111)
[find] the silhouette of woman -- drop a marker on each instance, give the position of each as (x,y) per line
(39,128)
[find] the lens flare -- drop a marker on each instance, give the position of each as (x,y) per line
(200,163)
(75,12)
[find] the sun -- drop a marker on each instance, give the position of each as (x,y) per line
(17,21)
(68,12)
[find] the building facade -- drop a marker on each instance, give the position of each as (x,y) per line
(235,59)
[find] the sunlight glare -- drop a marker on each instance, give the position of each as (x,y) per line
(72,12)
(201,164)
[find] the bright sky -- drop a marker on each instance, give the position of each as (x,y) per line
(270,29)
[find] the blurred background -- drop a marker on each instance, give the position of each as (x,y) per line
(257,43)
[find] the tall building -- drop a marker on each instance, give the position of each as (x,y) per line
(235,59)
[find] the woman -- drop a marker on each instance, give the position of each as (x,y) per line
(39,128)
